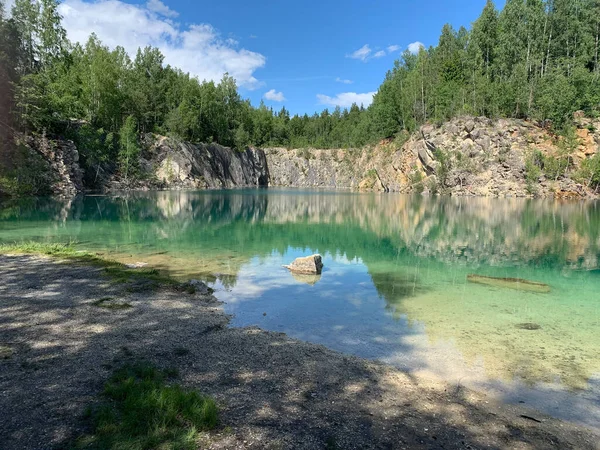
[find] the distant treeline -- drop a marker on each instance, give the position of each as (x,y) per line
(535,59)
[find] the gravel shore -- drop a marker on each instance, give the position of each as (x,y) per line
(57,347)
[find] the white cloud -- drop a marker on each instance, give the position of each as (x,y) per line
(274,96)
(341,80)
(379,54)
(197,48)
(160,8)
(362,53)
(414,47)
(393,48)
(345,99)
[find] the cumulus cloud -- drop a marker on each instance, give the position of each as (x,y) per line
(362,53)
(197,48)
(346,99)
(160,8)
(379,54)
(343,81)
(274,96)
(414,47)
(393,48)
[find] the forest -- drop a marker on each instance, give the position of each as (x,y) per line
(534,59)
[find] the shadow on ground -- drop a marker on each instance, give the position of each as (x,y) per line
(273,391)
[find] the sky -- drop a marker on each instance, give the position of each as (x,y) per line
(305,55)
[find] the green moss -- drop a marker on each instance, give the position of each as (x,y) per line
(143,410)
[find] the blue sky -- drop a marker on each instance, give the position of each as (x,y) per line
(306,55)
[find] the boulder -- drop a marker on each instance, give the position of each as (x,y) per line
(309,265)
(469,125)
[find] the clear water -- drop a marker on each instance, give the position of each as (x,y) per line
(394,287)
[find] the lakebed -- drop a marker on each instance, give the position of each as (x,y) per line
(394,287)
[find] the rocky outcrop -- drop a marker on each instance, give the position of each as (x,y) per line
(60,164)
(466,156)
(172,164)
(180,164)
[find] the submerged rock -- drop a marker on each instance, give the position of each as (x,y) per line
(309,265)
(510,283)
(305,278)
(528,326)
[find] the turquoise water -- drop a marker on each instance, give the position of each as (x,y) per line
(394,286)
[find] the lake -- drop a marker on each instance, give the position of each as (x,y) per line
(394,287)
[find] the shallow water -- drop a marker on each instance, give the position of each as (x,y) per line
(394,287)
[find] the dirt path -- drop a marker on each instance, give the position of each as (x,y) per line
(273,391)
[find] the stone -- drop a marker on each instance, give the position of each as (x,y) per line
(200,287)
(308,265)
(136,265)
(484,142)
(469,126)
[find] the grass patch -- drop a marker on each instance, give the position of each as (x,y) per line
(6,352)
(140,280)
(142,410)
(111,303)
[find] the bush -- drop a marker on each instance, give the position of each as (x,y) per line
(533,170)
(589,172)
(445,166)
(28,175)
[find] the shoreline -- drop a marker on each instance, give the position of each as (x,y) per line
(332,189)
(273,391)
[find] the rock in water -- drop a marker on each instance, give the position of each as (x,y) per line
(309,265)
(510,283)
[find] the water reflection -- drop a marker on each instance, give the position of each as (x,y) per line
(395,281)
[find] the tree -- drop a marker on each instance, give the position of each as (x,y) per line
(129,149)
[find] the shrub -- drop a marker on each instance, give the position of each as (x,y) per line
(533,170)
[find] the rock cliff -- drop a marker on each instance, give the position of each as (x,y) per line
(172,164)
(60,170)
(465,156)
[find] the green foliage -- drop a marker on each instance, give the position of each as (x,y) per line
(129,149)
(143,410)
(415,178)
(26,174)
(445,165)
(97,149)
(242,139)
(533,161)
(536,59)
(589,172)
